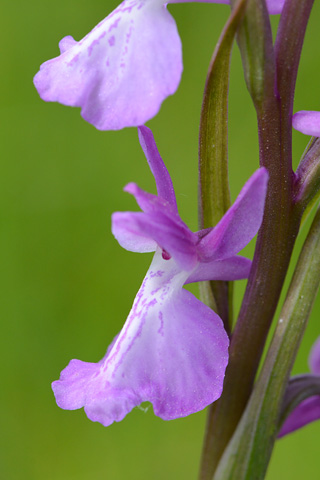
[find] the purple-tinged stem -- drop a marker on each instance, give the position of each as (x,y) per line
(248,453)
(290,36)
(279,229)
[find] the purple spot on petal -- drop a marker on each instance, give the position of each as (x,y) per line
(160,316)
(155,291)
(115,24)
(165,255)
(73,60)
(112,41)
(159,273)
(95,42)
(128,35)
(142,315)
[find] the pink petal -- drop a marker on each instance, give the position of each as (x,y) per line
(241,222)
(275,6)
(130,235)
(172,352)
(234,268)
(131,228)
(150,203)
(161,175)
(74,385)
(120,73)
(307,122)
(308,411)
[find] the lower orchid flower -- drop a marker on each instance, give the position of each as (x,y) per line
(120,73)
(309,410)
(172,350)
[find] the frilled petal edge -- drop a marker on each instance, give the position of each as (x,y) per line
(172,352)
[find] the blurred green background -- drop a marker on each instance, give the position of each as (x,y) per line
(67,286)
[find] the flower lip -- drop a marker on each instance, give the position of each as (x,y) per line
(172,351)
(120,73)
(112,73)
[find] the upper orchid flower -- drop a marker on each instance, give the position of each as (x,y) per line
(172,350)
(120,73)
(309,410)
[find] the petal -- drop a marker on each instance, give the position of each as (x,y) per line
(130,236)
(172,352)
(120,73)
(150,203)
(161,175)
(130,228)
(314,358)
(308,411)
(241,222)
(74,384)
(275,6)
(66,43)
(307,122)
(234,268)
(194,353)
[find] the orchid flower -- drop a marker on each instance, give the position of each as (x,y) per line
(309,410)
(307,122)
(172,350)
(120,73)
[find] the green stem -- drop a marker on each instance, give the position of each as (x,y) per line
(255,42)
(214,195)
